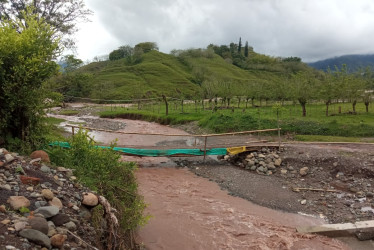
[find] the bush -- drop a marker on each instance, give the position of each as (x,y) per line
(101,170)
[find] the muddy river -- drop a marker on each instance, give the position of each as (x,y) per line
(191,212)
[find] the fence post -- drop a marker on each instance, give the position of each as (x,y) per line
(72,130)
(206,138)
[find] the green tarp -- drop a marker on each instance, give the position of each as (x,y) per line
(155,152)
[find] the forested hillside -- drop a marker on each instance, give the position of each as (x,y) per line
(354,63)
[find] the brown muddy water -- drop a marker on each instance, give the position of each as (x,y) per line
(191,212)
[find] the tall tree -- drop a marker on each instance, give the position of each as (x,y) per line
(27,56)
(240,45)
(246,49)
(62,15)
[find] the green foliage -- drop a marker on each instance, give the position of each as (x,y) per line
(102,171)
(26,55)
(116,54)
(60,15)
(24,210)
(146,46)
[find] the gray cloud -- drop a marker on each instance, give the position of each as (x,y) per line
(308,29)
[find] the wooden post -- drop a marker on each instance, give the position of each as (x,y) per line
(279,132)
(206,138)
(72,131)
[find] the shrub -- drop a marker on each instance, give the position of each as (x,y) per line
(101,170)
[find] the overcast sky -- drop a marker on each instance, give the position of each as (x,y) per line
(310,29)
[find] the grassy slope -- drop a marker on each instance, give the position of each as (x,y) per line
(158,74)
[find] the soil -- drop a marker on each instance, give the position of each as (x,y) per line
(346,169)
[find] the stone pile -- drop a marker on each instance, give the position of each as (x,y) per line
(264,161)
(41,206)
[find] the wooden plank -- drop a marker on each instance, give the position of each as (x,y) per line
(337,229)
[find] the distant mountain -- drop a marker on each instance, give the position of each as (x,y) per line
(353,62)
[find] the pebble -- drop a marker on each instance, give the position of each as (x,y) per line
(304,171)
(303,202)
(47,194)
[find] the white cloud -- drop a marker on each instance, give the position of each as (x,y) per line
(309,29)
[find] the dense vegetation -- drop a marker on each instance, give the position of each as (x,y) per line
(116,183)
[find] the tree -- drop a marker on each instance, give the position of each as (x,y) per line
(71,63)
(26,60)
(146,46)
(240,45)
(61,15)
(327,89)
(246,50)
(116,54)
(303,87)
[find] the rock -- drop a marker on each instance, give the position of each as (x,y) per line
(51,231)
(271,166)
(9,158)
(58,240)
(39,224)
(2,164)
(6,187)
(250,163)
(248,157)
(56,202)
(335,164)
(5,222)
(261,156)
(61,169)
(47,211)
(283,171)
(40,154)
(261,169)
(253,168)
(30,189)
(45,169)
(278,162)
(36,237)
(20,225)
(47,194)
(304,171)
(226,157)
(60,219)
(90,199)
(70,226)
(2,209)
(303,202)
(16,202)
(29,180)
(369,194)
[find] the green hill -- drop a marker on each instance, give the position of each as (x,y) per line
(160,73)
(174,75)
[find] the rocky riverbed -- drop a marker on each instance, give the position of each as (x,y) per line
(43,206)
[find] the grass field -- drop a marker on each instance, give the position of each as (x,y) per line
(335,126)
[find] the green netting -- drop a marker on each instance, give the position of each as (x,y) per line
(155,152)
